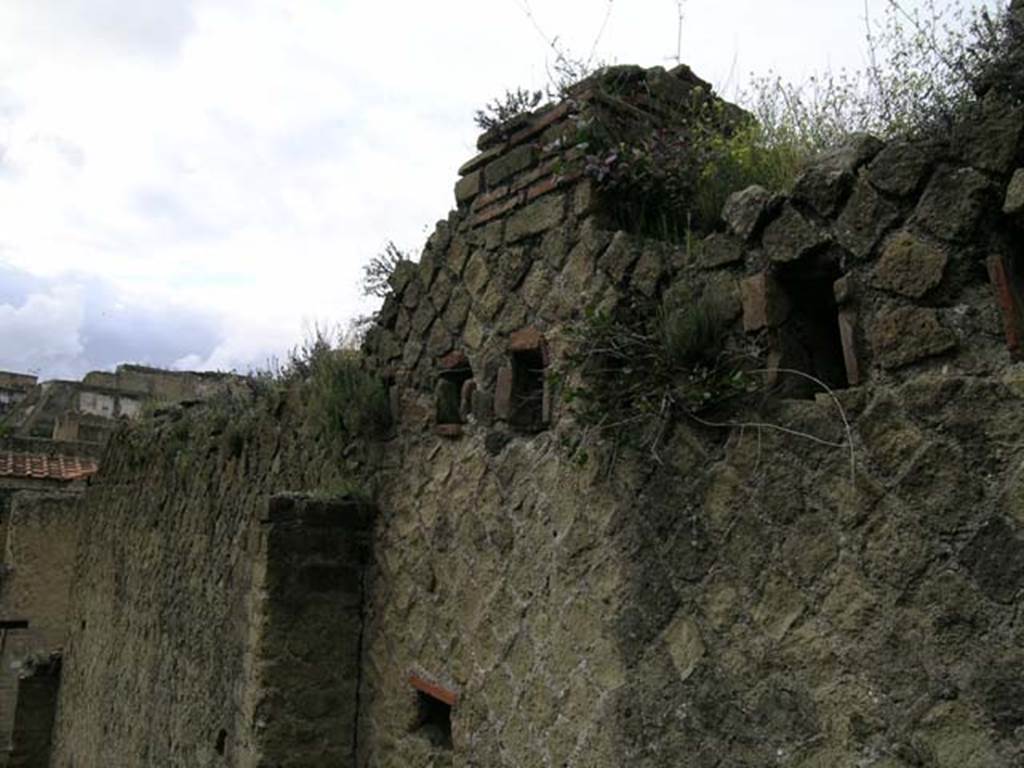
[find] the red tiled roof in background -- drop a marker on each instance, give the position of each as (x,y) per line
(42,466)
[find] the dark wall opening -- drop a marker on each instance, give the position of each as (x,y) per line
(528,389)
(810,340)
(434,720)
(448,394)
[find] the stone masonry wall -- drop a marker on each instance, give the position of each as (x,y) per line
(163,660)
(843,592)
(310,601)
(41,534)
(32,742)
(825,577)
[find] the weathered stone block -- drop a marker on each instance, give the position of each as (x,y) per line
(791,237)
(953,203)
(1014,202)
(718,250)
(526,339)
(848,337)
(992,141)
(905,335)
(473,332)
(746,211)
(585,198)
(909,266)
(422,318)
(537,285)
(413,290)
(428,266)
(477,274)
(483,407)
(900,168)
(843,290)
(458,255)
(503,394)
(440,341)
(865,220)
(826,182)
(685,645)
(538,216)
(494,234)
(620,256)
(765,304)
(511,267)
(648,271)
(441,290)
(452,360)
(480,160)
(466,398)
(467,188)
(509,164)
(514,314)
(454,316)
(404,272)
(995,557)
(489,305)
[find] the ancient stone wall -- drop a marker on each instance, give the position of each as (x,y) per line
(40,535)
(830,574)
(819,585)
(310,614)
(32,736)
(163,647)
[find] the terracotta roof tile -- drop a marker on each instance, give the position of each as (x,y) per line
(42,466)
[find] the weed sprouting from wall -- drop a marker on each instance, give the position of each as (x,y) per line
(501,109)
(378,270)
(341,394)
(644,365)
(925,68)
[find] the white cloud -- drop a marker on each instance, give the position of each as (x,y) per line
(43,333)
(240,159)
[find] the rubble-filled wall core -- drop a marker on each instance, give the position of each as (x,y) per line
(310,598)
(832,576)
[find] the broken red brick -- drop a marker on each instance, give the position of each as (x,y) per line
(434,690)
(526,338)
(1008,303)
(550,117)
(503,394)
(848,335)
(453,360)
(764,302)
(495,211)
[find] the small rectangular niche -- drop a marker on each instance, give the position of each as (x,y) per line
(13,624)
(528,371)
(811,339)
(433,712)
(449,394)
(522,398)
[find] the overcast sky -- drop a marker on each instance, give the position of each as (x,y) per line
(194,183)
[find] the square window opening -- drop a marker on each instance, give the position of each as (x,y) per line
(448,394)
(528,370)
(811,341)
(434,720)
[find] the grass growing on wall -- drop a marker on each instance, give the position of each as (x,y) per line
(341,395)
(644,365)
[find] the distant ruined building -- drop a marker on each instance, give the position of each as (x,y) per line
(827,570)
